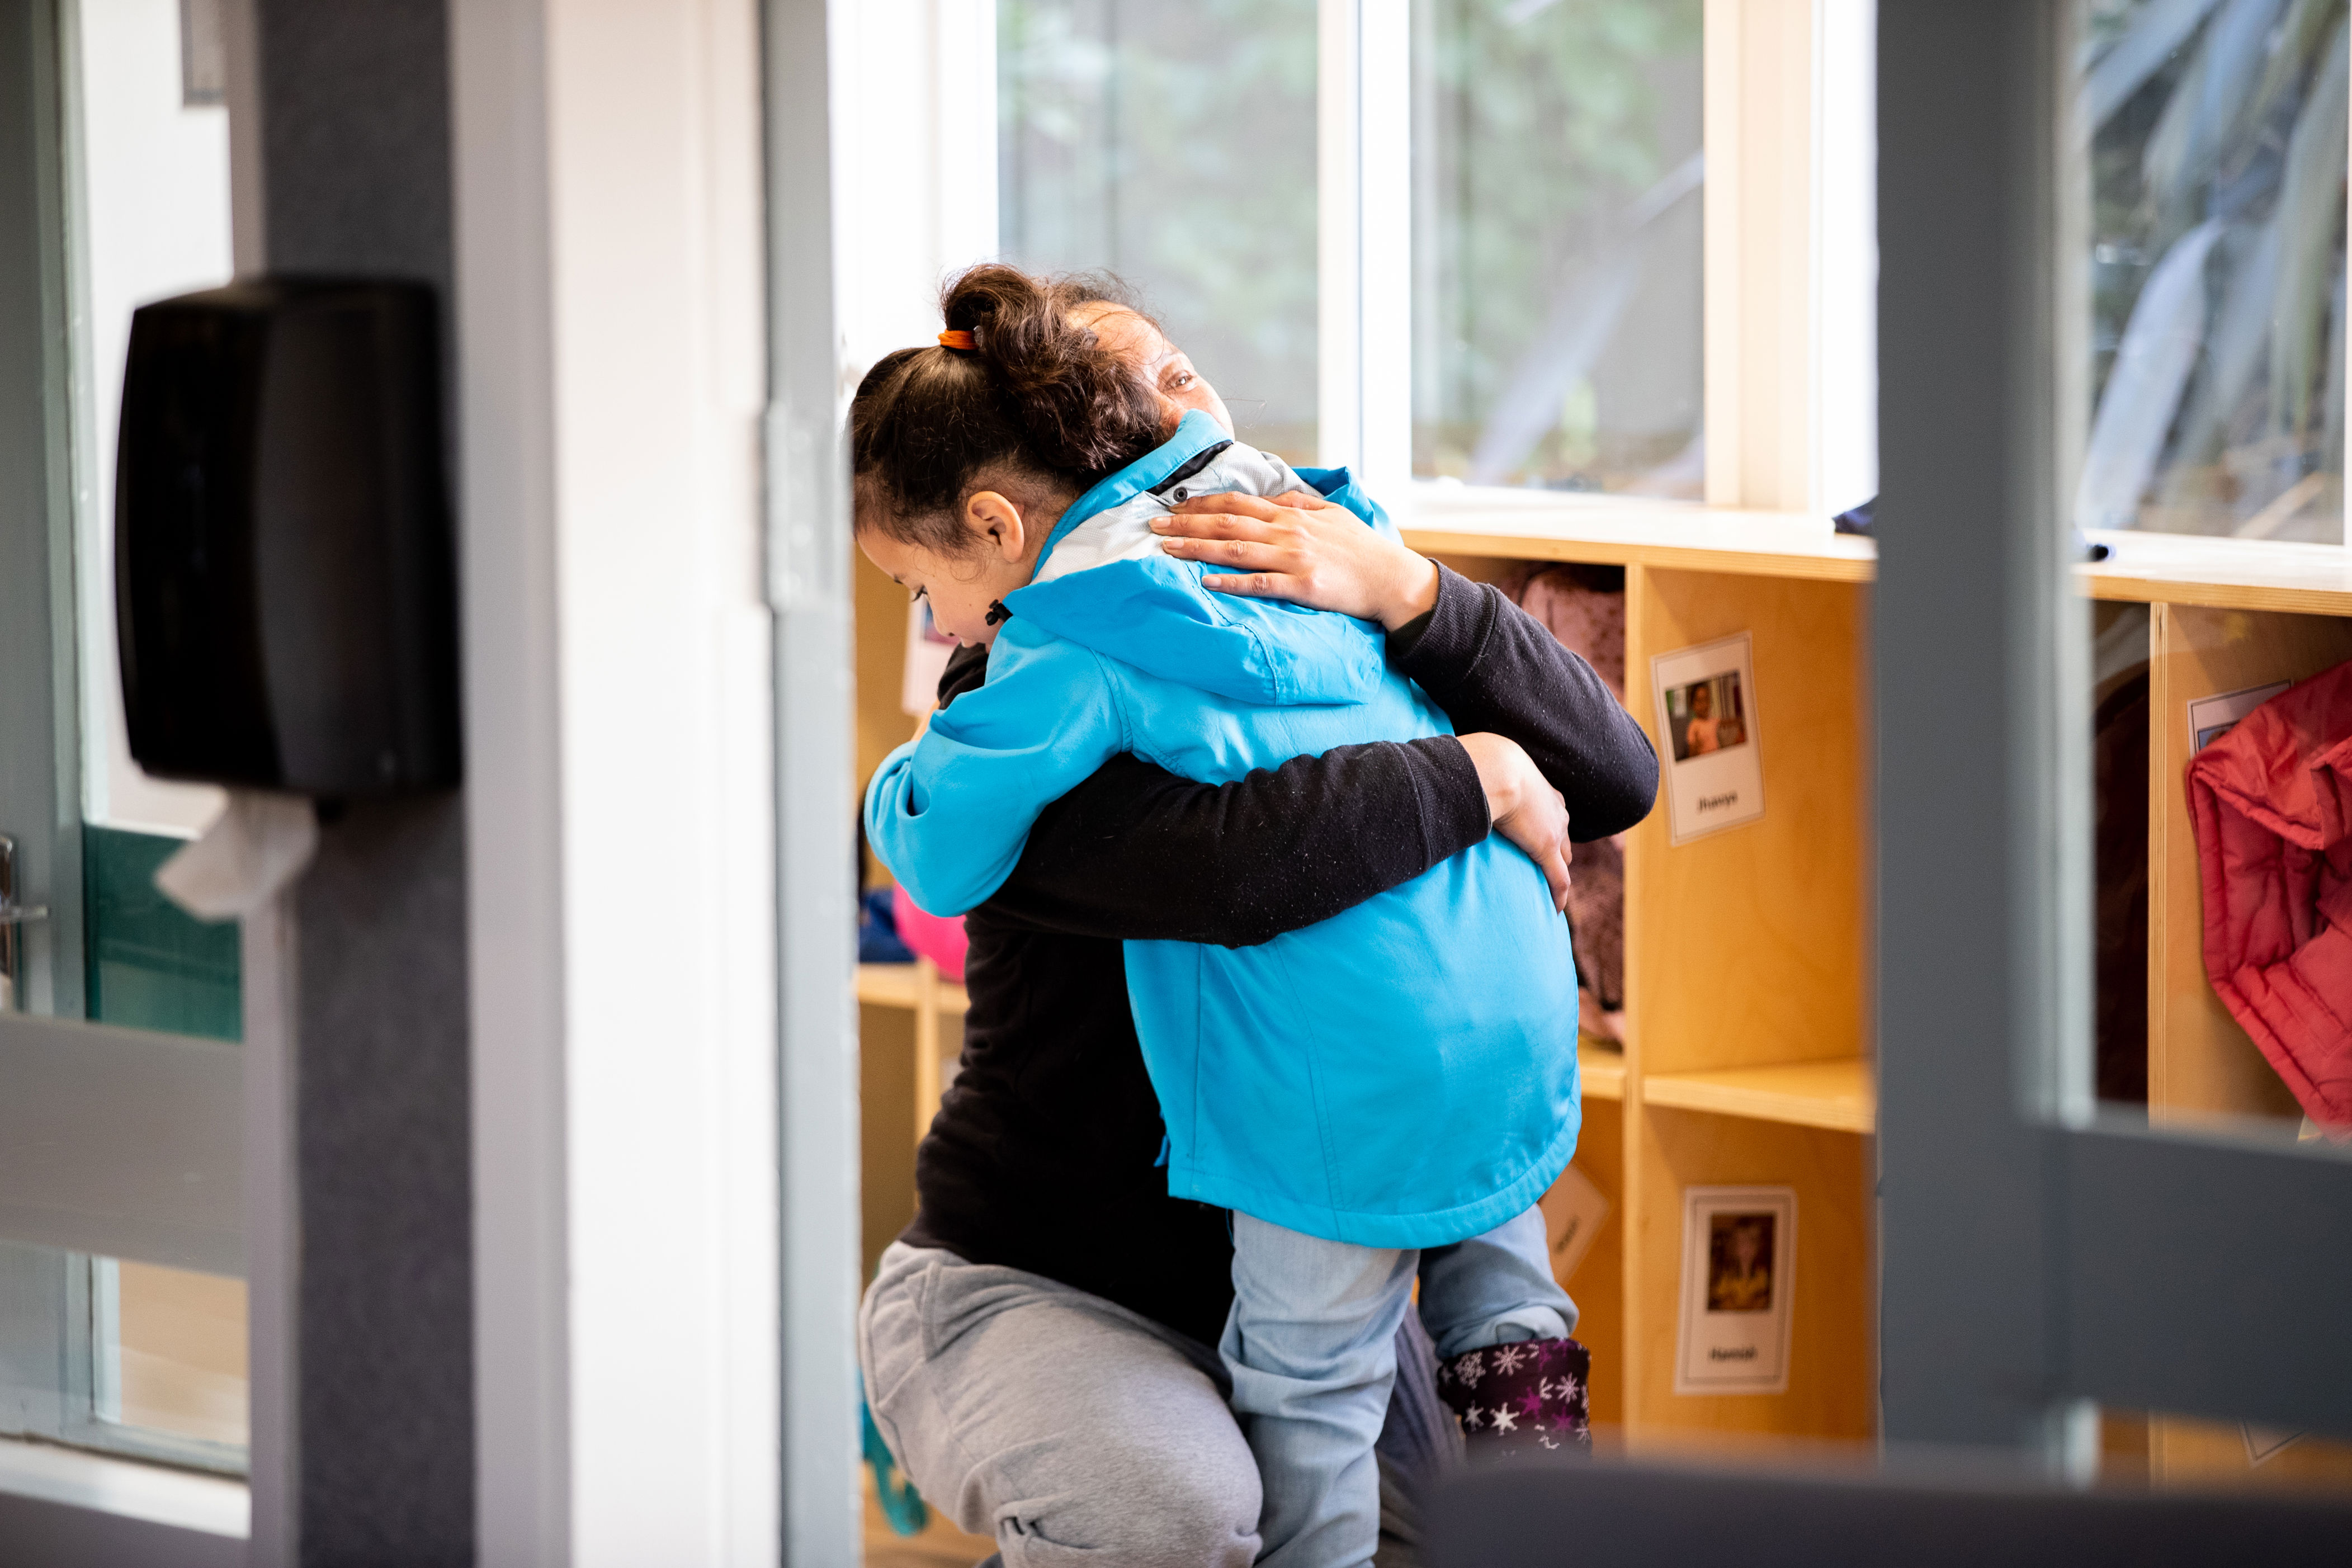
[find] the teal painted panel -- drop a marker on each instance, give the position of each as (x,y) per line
(151,965)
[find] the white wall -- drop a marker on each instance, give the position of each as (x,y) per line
(154,214)
(621,853)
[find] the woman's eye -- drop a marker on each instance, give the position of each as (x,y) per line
(922,593)
(1178,380)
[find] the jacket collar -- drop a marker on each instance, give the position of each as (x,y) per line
(1194,435)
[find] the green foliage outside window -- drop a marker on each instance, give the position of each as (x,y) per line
(2216,276)
(1174,145)
(1556,242)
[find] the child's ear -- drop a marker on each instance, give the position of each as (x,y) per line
(995,524)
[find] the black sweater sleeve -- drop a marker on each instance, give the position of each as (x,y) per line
(1492,666)
(1138,853)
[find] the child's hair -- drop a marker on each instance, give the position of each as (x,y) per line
(1037,397)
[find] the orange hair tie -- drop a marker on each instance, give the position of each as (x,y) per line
(958,340)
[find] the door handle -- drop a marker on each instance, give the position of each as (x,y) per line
(12,916)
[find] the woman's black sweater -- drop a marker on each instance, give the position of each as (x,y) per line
(1045,1153)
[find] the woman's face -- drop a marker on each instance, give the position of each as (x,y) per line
(1164,365)
(1702,703)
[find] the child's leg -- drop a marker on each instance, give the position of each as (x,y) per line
(1311,1343)
(1501,1321)
(1493,1289)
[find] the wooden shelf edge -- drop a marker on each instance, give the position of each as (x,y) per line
(893,986)
(1468,538)
(1601,1071)
(2149,568)
(2222,574)
(1840,1096)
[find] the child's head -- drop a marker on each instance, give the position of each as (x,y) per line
(962,459)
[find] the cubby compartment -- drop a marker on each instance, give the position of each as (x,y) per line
(2201,1064)
(1747,1058)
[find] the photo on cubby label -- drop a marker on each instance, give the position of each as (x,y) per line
(2210,717)
(1740,1254)
(1706,713)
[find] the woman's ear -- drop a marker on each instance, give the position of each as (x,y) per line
(994,523)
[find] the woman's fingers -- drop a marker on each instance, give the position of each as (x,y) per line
(1221,524)
(1249,554)
(1540,829)
(1523,806)
(1256,586)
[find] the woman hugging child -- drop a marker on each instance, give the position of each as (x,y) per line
(1376,1098)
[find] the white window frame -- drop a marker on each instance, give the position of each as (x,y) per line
(1789,265)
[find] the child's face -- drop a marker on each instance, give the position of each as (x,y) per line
(1006,535)
(1162,363)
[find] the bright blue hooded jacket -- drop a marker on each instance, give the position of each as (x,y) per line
(1400,1075)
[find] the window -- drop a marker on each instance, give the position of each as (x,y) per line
(1557,264)
(2216,275)
(1175,147)
(103,1352)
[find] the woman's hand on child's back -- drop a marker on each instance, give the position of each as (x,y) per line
(1523,806)
(1301,548)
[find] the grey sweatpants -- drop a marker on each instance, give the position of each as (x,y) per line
(1072,1429)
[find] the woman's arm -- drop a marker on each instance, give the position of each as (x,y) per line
(1492,666)
(1489,664)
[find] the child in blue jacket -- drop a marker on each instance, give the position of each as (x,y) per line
(1380,1096)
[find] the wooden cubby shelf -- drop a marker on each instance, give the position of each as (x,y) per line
(901,985)
(1602,1071)
(1838,1095)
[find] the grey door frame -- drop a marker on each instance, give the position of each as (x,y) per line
(40,727)
(2037,1254)
(808,587)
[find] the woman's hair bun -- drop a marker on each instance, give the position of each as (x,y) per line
(1036,392)
(1085,410)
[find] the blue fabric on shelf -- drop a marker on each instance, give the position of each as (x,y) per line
(902,1505)
(877,930)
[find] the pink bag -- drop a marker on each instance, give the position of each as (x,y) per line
(1579,607)
(939,938)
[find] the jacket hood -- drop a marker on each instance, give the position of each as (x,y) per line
(1105,583)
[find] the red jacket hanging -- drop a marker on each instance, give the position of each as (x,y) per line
(2272,804)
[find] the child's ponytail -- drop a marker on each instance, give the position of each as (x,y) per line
(1034,393)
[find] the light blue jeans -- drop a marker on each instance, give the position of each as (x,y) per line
(1311,1346)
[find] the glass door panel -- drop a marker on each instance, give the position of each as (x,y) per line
(121,180)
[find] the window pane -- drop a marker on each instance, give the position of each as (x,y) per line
(1556,265)
(126,1358)
(1174,145)
(154,219)
(99,1352)
(2217,268)
(171,1351)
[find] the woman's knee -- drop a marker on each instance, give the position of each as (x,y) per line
(1147,1503)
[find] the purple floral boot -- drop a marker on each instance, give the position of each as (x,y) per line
(1523,1397)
